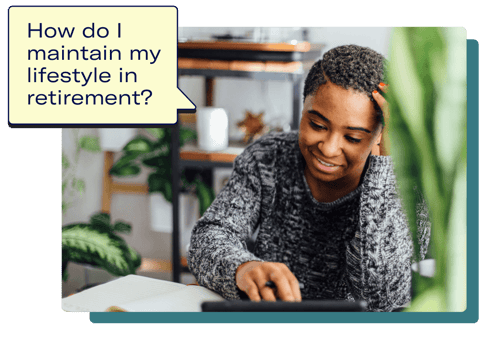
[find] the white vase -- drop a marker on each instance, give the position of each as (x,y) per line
(212,129)
(161,215)
(115,139)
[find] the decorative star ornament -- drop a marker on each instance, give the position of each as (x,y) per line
(252,126)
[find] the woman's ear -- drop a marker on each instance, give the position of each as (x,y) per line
(378,139)
(378,150)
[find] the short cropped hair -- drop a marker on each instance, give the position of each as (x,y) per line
(348,66)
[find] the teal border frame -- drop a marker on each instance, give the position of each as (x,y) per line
(470,315)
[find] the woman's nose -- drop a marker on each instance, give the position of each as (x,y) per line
(330,147)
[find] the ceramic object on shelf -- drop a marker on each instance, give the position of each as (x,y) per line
(212,129)
(115,139)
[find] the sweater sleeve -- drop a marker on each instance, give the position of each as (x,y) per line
(218,242)
(379,255)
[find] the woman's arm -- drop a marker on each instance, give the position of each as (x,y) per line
(218,242)
(379,257)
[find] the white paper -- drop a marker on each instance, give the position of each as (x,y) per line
(123,290)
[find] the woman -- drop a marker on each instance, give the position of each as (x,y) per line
(326,208)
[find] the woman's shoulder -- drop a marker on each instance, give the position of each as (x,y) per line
(275,141)
(271,148)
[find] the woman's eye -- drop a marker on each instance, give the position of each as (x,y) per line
(353,140)
(316,126)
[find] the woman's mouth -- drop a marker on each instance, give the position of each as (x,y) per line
(326,167)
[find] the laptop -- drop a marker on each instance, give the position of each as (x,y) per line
(284,306)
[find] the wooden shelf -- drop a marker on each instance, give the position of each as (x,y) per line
(249,46)
(240,66)
(192,152)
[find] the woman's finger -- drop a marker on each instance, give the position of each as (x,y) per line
(293,282)
(283,287)
(252,291)
(294,285)
(383,87)
(267,293)
(379,99)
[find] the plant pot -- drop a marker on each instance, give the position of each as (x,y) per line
(161,215)
(115,139)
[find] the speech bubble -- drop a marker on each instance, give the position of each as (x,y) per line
(94,66)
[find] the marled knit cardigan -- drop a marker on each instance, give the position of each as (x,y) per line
(268,190)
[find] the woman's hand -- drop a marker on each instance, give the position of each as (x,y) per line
(251,277)
(384,144)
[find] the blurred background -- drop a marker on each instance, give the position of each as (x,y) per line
(85,153)
(127,173)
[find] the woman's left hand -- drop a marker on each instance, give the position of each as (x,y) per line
(384,144)
(381,100)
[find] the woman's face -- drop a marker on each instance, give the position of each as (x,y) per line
(337,132)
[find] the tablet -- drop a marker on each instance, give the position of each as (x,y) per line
(283,306)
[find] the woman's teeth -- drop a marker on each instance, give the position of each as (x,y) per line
(326,164)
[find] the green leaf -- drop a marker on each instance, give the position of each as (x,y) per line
(65,205)
(162,162)
(128,160)
(186,135)
(156,182)
(128,170)
(86,244)
(79,185)
(64,185)
(122,227)
(156,132)
(65,262)
(89,143)
(135,258)
(102,221)
(138,145)
(65,161)
(168,192)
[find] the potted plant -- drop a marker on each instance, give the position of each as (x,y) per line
(154,152)
(97,244)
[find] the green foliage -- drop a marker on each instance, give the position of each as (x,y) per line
(427,128)
(71,185)
(98,245)
(154,152)
(89,143)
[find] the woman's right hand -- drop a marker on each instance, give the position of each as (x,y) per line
(251,277)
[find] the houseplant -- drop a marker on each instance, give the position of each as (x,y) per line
(97,244)
(427,101)
(154,151)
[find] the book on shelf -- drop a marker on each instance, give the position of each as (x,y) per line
(134,293)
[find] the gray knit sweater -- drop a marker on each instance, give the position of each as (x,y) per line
(355,248)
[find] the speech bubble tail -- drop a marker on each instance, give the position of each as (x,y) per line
(183,104)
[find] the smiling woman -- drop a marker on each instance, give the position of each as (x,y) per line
(324,205)
(337,133)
